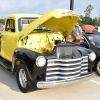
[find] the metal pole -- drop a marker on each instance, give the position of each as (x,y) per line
(71,4)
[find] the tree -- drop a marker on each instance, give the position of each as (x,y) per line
(88,10)
(2,21)
(89,20)
(95,22)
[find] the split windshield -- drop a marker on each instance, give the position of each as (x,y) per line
(24,22)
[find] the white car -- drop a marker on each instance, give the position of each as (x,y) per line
(98,28)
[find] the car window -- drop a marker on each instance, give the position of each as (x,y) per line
(10,25)
(24,22)
(94,39)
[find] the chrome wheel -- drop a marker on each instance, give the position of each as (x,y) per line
(98,67)
(22,78)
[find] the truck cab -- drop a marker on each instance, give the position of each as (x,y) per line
(11,32)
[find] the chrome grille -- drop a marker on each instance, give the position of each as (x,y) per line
(61,69)
(84,65)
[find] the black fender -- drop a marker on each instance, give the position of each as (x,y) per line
(86,52)
(96,50)
(28,58)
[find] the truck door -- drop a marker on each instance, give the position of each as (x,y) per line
(8,44)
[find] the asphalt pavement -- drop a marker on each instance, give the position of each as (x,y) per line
(86,90)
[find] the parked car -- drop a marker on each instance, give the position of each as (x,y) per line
(89,28)
(97,28)
(91,40)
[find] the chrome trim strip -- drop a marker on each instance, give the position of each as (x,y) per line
(84,68)
(51,84)
(64,73)
(84,64)
(83,61)
(83,57)
(53,64)
(66,69)
(61,77)
(84,72)
(60,64)
(64,60)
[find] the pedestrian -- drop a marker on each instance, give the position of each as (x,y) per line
(71,37)
(78,29)
(76,34)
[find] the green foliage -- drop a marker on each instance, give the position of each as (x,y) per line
(2,21)
(89,20)
(95,22)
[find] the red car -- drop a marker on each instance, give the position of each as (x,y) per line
(89,28)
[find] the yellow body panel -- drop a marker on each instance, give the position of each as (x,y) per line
(8,45)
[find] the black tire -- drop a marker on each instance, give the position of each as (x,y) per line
(98,66)
(22,78)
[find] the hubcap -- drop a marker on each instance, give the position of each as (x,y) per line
(98,67)
(22,78)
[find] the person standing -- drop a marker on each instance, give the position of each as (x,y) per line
(76,34)
(78,29)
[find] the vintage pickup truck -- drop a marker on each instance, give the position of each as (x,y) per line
(34,47)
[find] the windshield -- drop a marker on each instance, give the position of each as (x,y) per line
(94,39)
(24,22)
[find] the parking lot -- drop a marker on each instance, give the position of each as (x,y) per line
(86,90)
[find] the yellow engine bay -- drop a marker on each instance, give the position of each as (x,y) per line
(41,41)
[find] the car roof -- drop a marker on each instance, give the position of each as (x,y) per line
(88,28)
(23,15)
(92,32)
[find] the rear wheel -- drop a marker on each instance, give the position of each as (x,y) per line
(98,66)
(22,78)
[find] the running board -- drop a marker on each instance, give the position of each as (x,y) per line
(5,63)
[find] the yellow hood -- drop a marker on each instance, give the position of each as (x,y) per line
(62,20)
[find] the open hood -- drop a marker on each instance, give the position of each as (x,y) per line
(62,20)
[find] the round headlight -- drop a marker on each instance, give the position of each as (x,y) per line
(92,56)
(40,61)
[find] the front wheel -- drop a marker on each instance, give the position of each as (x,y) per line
(98,66)
(22,78)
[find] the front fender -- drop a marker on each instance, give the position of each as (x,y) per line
(84,51)
(28,58)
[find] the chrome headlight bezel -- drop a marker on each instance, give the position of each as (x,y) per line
(92,56)
(40,61)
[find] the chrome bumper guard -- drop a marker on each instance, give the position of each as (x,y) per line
(52,84)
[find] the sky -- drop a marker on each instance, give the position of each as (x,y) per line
(42,6)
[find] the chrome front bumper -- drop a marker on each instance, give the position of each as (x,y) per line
(51,84)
